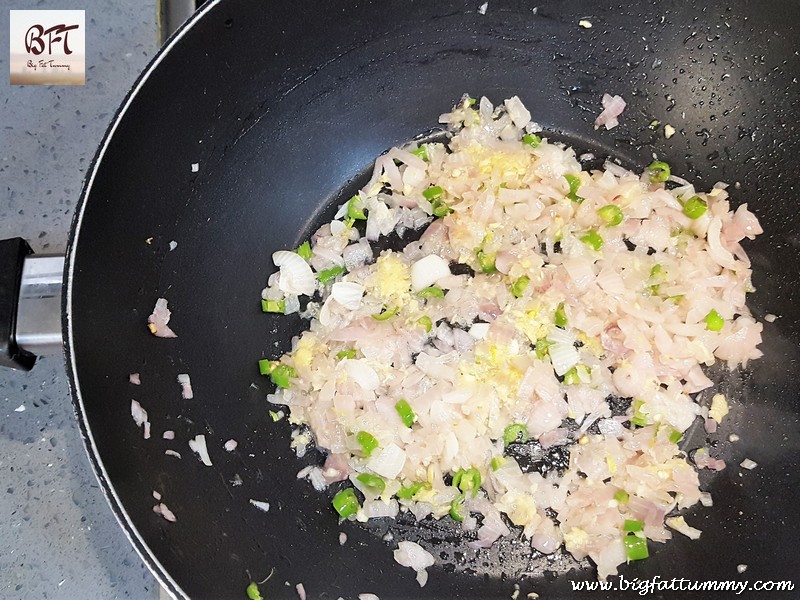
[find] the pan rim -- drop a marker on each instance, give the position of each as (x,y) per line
(155,566)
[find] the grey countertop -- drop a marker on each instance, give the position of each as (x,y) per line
(58,537)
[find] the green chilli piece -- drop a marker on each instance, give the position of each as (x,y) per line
(407,415)
(385,314)
(367,441)
(354,211)
(639,418)
(327,275)
(408,492)
(611,214)
(346,503)
(421,152)
(266,366)
(373,483)
(635,547)
(532,140)
(675,436)
(497,462)
(571,377)
(304,250)
(622,497)
(432,193)
(431,292)
(695,207)
(273,306)
(252,591)
(486,261)
(542,346)
(659,171)
(515,432)
(632,525)
(561,316)
(440,209)
(349,353)
(426,323)
(457,509)
(714,321)
(574,184)
(468,480)
(519,286)
(281,375)
(593,240)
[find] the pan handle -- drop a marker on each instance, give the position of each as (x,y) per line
(30,304)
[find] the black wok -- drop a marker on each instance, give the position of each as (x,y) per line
(284,105)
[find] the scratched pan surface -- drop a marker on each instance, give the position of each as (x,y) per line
(284,105)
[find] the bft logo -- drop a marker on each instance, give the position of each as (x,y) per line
(35,40)
(48,47)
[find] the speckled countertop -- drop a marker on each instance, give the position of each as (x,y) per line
(58,537)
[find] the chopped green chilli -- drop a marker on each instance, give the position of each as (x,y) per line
(632,525)
(593,240)
(431,292)
(346,503)
(253,593)
(328,275)
(426,323)
(407,415)
(372,482)
(273,306)
(486,262)
(432,193)
(561,316)
(282,375)
(367,441)
(518,287)
(622,497)
(714,322)
(532,140)
(457,509)
(516,432)
(659,171)
(611,214)
(265,366)
(421,152)
(408,492)
(385,314)
(695,207)
(574,185)
(635,547)
(349,353)
(354,209)
(304,250)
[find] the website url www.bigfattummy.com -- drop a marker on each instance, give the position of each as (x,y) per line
(656,584)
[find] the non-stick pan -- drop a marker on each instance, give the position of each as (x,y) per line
(282,106)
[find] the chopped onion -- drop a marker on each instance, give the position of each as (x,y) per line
(427,271)
(168,435)
(186,386)
(296,275)
(612,108)
(748,464)
(172,453)
(389,462)
(364,375)
(230,445)
(138,413)
(134,379)
(301,591)
(198,444)
(679,524)
(157,321)
(260,505)
(348,294)
(161,509)
(414,556)
(563,357)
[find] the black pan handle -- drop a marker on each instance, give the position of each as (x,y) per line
(30,304)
